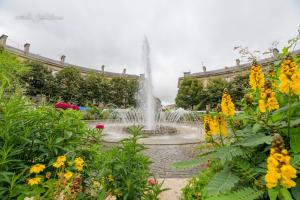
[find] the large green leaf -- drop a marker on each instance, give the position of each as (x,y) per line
(295,139)
(222,182)
(255,140)
(242,194)
(285,194)
(190,163)
(296,190)
(273,193)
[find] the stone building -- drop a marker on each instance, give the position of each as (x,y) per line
(57,65)
(228,73)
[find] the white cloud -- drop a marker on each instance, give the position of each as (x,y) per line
(181,33)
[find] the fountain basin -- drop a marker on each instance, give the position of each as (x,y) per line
(114,132)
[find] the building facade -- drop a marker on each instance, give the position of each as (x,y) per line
(57,65)
(228,73)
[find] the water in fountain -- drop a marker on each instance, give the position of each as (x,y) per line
(147,89)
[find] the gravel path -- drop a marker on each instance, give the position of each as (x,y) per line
(163,156)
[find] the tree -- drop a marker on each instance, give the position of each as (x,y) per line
(190,93)
(237,87)
(214,91)
(70,85)
(131,90)
(38,80)
(97,88)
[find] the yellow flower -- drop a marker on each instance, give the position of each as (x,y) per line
(220,125)
(37,168)
(34,181)
(110,178)
(256,77)
(268,99)
(208,125)
(289,77)
(79,162)
(279,169)
(60,161)
(68,175)
(227,106)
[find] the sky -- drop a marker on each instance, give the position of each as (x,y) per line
(182,34)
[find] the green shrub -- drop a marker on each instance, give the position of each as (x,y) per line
(125,170)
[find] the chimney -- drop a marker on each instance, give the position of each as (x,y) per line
(62,59)
(186,73)
(237,62)
(26,48)
(102,68)
(3,39)
(204,68)
(124,71)
(275,52)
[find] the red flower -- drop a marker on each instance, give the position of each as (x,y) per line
(62,105)
(74,107)
(100,126)
(152,181)
(66,106)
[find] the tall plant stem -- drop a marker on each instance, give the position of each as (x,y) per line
(289,112)
(233,129)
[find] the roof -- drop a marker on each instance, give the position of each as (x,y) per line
(59,64)
(229,70)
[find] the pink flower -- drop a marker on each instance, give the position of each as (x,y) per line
(100,126)
(152,181)
(62,105)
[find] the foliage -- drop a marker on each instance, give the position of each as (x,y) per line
(189,93)
(69,82)
(68,85)
(123,92)
(214,91)
(39,80)
(31,135)
(10,71)
(244,171)
(237,87)
(125,170)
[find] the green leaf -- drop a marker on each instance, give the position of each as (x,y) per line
(273,193)
(190,163)
(285,194)
(222,182)
(296,190)
(242,194)
(295,139)
(255,140)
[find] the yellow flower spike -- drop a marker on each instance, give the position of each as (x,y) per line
(37,168)
(268,101)
(227,105)
(279,170)
(34,181)
(289,77)
(256,77)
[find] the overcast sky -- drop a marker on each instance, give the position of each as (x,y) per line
(182,33)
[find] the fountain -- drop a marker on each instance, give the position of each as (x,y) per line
(160,127)
(147,89)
